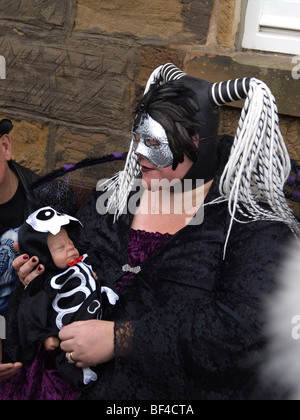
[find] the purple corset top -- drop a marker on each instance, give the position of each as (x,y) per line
(141,245)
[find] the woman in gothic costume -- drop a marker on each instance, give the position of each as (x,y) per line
(192,277)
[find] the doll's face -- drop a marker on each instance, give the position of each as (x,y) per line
(62,249)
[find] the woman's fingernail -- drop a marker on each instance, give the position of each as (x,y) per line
(34,260)
(25,257)
(40,268)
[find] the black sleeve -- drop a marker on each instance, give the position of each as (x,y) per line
(27,320)
(254,253)
(34,322)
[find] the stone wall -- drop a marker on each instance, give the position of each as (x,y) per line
(75,70)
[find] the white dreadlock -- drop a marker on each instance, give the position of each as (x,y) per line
(121,184)
(259,164)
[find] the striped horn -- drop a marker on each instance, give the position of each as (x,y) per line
(231,91)
(164,74)
(170,72)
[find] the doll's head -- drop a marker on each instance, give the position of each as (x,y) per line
(62,249)
(45,234)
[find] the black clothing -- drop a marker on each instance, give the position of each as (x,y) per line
(176,337)
(27,177)
(57,194)
(12,212)
(5,126)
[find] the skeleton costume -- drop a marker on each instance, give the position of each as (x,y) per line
(188,324)
(59,297)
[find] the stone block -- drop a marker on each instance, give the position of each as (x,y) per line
(73,146)
(42,13)
(168,19)
(228,22)
(82,80)
(137,17)
(196,18)
(150,58)
(29,144)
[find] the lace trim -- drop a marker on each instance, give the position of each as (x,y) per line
(124,332)
(145,235)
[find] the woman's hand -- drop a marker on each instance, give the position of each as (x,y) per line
(27,268)
(90,343)
(8,370)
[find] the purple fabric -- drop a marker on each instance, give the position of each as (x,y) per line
(141,245)
(39,381)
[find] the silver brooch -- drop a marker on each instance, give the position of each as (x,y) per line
(128,269)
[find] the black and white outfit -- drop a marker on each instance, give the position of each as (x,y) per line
(58,297)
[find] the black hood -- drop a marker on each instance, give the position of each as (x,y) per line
(34,243)
(34,232)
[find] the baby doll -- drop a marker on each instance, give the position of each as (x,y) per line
(68,291)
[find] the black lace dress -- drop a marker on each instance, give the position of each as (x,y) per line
(188,323)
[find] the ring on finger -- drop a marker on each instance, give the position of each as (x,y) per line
(70,358)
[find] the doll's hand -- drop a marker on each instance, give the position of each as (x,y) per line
(27,268)
(51,343)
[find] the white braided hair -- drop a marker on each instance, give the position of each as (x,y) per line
(120,185)
(259,164)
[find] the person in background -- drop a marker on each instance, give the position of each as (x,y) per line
(17,202)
